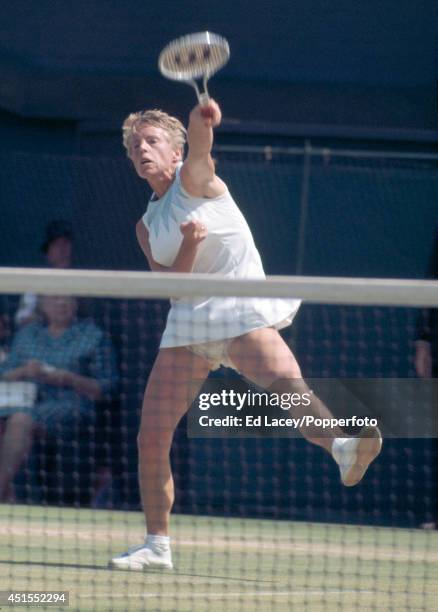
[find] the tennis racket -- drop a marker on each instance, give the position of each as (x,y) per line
(193,59)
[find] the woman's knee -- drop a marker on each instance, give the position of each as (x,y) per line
(153,442)
(286,368)
(272,375)
(269,368)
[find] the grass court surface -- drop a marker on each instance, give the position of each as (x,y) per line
(220,564)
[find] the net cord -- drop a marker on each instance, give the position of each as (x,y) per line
(131,284)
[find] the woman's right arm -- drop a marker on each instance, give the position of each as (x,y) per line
(193,234)
(19,364)
(31,370)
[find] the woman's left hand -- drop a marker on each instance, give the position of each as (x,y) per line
(57,377)
(194,232)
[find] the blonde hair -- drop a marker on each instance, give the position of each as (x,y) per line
(157,118)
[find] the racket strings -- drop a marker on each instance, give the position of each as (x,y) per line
(194,56)
(194,61)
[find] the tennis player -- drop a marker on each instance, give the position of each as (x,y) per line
(192,224)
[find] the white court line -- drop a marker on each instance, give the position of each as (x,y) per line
(329,549)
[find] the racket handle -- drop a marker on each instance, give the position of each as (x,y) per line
(206,112)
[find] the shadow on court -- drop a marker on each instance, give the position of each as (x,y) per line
(150,572)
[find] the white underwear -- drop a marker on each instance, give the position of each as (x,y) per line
(214,352)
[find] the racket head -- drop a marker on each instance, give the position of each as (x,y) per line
(193,56)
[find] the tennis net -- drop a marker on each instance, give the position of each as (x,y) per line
(261,519)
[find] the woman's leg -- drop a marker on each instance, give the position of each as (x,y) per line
(264,357)
(174,382)
(16,442)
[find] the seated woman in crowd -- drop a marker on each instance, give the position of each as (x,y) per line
(5,333)
(72,364)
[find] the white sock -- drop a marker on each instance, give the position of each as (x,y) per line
(338,446)
(158,543)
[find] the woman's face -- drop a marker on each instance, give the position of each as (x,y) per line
(59,252)
(152,152)
(59,310)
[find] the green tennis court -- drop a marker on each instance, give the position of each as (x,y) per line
(221,563)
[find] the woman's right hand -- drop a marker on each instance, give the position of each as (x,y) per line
(33,369)
(207,115)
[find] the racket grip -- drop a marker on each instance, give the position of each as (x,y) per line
(206,112)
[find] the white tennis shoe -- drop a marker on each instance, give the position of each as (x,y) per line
(143,557)
(354,455)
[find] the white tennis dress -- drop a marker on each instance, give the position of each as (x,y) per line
(228,250)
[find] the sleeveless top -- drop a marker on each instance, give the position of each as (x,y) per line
(228,250)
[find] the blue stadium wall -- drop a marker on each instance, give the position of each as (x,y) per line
(327,63)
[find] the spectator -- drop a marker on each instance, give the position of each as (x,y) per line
(5,332)
(58,250)
(426,360)
(426,346)
(71,362)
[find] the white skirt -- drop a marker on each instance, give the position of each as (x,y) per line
(212,319)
